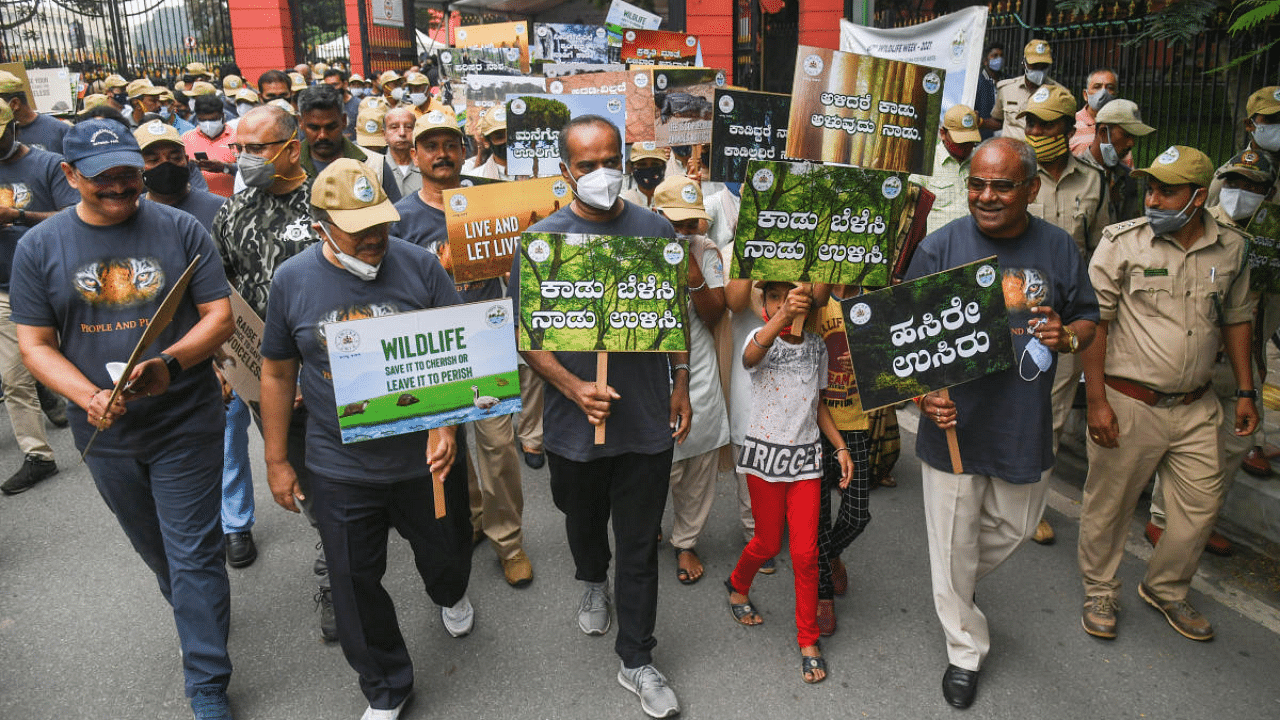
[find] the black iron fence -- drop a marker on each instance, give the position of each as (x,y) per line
(1175,86)
(156,38)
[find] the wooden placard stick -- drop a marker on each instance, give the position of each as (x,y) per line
(437,481)
(602,385)
(953,445)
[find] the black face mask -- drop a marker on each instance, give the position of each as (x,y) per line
(499,151)
(166,179)
(120,98)
(682,151)
(649,178)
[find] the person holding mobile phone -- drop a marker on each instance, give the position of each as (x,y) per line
(210,145)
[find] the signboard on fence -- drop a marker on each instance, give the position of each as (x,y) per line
(1264,249)
(534,122)
(414,371)
(928,334)
(817,223)
(864,111)
(598,293)
(485,222)
(683,100)
(746,126)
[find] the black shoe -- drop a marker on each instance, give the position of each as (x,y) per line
(534,460)
(33,470)
(959,686)
(53,405)
(241,550)
(328,623)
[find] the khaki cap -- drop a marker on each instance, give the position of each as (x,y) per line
(369,127)
(1051,102)
(1264,102)
(247,95)
(180,86)
(6,117)
(374,101)
(647,149)
(1180,165)
(114,81)
(349,191)
(198,68)
(231,83)
(1037,51)
(356,78)
(284,105)
(166,95)
(1251,164)
(319,68)
(150,133)
(493,120)
(961,123)
(679,198)
(416,78)
(435,120)
(1124,113)
(297,82)
(389,77)
(201,87)
(10,83)
(93,101)
(138,88)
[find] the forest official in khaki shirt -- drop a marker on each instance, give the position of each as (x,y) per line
(1169,302)
(1013,93)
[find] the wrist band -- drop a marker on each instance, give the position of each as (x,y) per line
(837,452)
(680,366)
(757,343)
(703,286)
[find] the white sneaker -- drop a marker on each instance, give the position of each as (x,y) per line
(657,699)
(392,714)
(593,611)
(460,618)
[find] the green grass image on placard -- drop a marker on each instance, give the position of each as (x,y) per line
(432,400)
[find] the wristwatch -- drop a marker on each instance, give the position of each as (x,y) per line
(1073,340)
(22,216)
(1251,394)
(171,362)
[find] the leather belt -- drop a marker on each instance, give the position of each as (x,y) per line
(1155,398)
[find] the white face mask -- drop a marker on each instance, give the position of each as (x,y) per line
(211,128)
(244,107)
(1110,157)
(397,94)
(599,188)
(351,264)
(1035,77)
(1239,204)
(1267,137)
(416,99)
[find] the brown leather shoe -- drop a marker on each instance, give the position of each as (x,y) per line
(1044,533)
(1217,545)
(1099,616)
(839,577)
(518,570)
(826,617)
(1256,464)
(1153,533)
(1181,616)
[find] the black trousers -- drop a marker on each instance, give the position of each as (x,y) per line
(855,510)
(633,489)
(354,521)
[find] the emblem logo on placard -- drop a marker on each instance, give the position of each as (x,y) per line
(458,203)
(726,103)
(892,187)
(673,253)
(513,54)
(518,106)
(631,36)
(690,41)
(661,82)
(539,250)
(600,32)
(347,341)
(462,34)
(615,106)
(542,31)
(446,57)
(719,79)
(762,180)
(556,86)
(520,29)
(496,316)
(560,188)
(860,314)
(641,80)
(932,83)
(813,65)
(985,276)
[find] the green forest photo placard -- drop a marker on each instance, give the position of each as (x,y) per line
(1264,249)
(598,293)
(931,333)
(817,223)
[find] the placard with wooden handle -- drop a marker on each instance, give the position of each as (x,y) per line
(602,385)
(437,483)
(953,445)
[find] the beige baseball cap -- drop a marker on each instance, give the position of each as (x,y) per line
(114,81)
(374,101)
(435,120)
(679,198)
(1050,102)
(93,101)
(138,88)
(1125,114)
(232,83)
(198,68)
(1264,102)
(389,76)
(356,78)
(647,149)
(369,127)
(961,123)
(297,82)
(319,69)
(1037,51)
(1180,165)
(284,105)
(166,95)
(245,94)
(150,133)
(416,78)
(10,83)
(6,117)
(493,120)
(1252,165)
(349,191)
(201,87)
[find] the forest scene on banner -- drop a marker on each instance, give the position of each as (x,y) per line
(593,293)
(485,222)
(817,223)
(639,96)
(864,111)
(683,104)
(497,35)
(486,91)
(1264,249)
(564,42)
(457,64)
(659,47)
(534,122)
(930,333)
(747,126)
(561,70)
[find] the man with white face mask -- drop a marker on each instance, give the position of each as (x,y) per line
(1118,126)
(1262,123)
(212,139)
(1012,94)
(1102,87)
(647,406)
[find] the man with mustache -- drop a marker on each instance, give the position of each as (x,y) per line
(323,119)
(157,455)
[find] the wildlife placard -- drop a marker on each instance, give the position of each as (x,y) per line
(513,37)
(599,293)
(559,70)
(659,47)
(930,333)
(1264,249)
(414,371)
(485,222)
(818,223)
(565,42)
(683,103)
(457,64)
(746,126)
(486,91)
(635,84)
(864,111)
(534,122)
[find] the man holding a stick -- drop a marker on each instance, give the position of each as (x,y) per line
(977,515)
(87,284)
(626,475)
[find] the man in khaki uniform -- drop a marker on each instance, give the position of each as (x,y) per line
(1118,125)
(1013,93)
(1262,122)
(1072,197)
(1173,289)
(957,137)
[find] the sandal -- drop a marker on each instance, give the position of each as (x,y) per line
(810,665)
(683,575)
(742,611)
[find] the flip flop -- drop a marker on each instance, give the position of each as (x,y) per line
(683,575)
(741,611)
(808,665)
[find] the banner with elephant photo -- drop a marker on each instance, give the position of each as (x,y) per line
(413,371)
(534,122)
(818,223)
(928,334)
(746,126)
(600,293)
(683,100)
(864,111)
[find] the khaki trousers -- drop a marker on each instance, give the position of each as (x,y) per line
(693,490)
(745,518)
(493,476)
(1183,445)
(20,397)
(532,390)
(1065,381)
(974,524)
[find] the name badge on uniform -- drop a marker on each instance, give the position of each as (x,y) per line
(1155,272)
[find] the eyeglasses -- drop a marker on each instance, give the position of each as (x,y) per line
(255,148)
(122,177)
(999,186)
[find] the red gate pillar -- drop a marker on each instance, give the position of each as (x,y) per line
(262,31)
(711,21)
(820,22)
(356,39)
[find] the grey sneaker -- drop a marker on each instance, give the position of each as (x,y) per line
(460,618)
(657,699)
(593,613)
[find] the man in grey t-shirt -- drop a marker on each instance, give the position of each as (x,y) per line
(633,465)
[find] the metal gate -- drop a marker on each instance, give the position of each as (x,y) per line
(156,38)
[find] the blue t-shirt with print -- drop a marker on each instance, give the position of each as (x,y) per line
(44,133)
(34,182)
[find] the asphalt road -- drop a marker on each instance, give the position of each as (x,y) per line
(84,633)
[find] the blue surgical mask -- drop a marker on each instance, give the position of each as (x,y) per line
(1035,77)
(1110,157)
(996,64)
(1267,137)
(1164,222)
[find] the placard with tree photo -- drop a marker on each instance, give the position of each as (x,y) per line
(534,122)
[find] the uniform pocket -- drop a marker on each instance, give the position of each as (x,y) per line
(1151,295)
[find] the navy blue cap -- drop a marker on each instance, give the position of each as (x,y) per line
(95,146)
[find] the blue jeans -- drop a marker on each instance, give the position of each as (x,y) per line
(167,505)
(237,475)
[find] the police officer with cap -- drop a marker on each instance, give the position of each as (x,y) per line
(1013,93)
